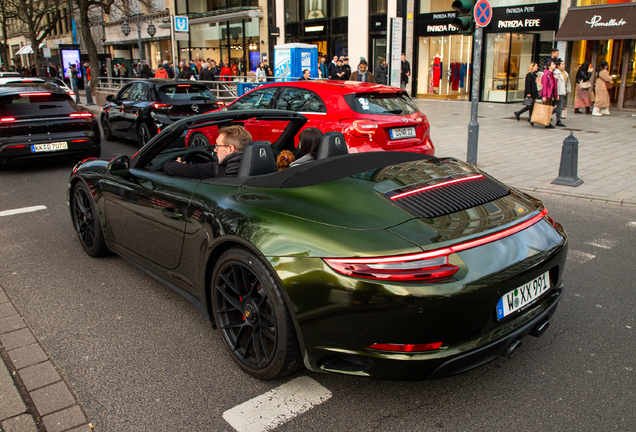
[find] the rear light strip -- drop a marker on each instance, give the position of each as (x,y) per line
(424,266)
(35,94)
(7,119)
(81,115)
(394,197)
(405,347)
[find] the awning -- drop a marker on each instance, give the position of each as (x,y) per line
(25,50)
(616,21)
(135,42)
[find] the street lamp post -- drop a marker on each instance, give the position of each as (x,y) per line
(138,20)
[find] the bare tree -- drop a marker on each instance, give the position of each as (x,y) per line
(34,14)
(6,15)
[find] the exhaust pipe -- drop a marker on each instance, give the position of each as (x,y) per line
(540,328)
(512,348)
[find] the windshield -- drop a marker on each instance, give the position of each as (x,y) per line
(381,103)
(36,103)
(185,92)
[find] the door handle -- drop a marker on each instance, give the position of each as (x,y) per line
(172,213)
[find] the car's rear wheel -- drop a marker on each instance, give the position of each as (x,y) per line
(251,314)
(86,222)
(108,134)
(198,140)
(143,135)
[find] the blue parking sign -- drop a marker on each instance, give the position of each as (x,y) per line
(181,24)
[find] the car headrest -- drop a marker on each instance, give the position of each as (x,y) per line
(257,159)
(332,144)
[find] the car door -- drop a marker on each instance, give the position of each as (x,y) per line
(132,107)
(262,98)
(299,100)
(116,112)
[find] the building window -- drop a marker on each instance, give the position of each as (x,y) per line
(377,7)
(434,6)
(315,9)
(291,11)
(339,8)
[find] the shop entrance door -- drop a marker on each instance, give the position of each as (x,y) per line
(629,99)
(322,49)
(379,51)
(611,51)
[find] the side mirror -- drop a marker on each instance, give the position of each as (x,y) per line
(110,98)
(119,166)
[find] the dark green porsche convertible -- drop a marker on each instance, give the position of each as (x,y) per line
(384,264)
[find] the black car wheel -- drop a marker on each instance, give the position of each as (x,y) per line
(198,140)
(108,135)
(143,135)
(251,314)
(86,222)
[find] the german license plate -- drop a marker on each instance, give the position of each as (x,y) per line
(36,148)
(523,295)
(399,133)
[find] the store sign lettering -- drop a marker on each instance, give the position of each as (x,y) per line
(517,10)
(444,15)
(520,23)
(314,29)
(441,28)
(596,22)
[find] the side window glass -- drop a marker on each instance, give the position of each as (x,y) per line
(260,99)
(300,100)
(137,92)
(125,94)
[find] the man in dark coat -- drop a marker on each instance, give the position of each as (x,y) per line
(346,68)
(186,73)
(214,68)
(206,74)
(52,71)
(168,69)
(380,72)
(229,148)
(332,69)
(362,74)
(405,72)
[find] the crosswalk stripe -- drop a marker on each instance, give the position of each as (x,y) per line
(277,406)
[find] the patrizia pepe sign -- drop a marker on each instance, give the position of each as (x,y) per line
(597,21)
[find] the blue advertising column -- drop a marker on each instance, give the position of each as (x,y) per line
(290,60)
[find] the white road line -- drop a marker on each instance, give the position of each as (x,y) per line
(604,243)
(22,210)
(277,406)
(632,224)
(578,257)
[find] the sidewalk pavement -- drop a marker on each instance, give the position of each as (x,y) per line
(33,395)
(528,157)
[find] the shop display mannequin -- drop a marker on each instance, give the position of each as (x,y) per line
(437,70)
(315,9)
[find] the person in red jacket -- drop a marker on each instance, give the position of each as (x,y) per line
(225,72)
(549,93)
(161,72)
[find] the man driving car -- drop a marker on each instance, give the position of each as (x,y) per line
(229,148)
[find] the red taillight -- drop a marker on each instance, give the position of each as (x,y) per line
(220,103)
(81,115)
(7,119)
(71,93)
(184,85)
(360,128)
(425,122)
(17,146)
(394,197)
(35,94)
(160,106)
(80,140)
(406,347)
(424,266)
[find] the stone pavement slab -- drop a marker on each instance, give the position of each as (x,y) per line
(11,403)
(39,375)
(62,420)
(27,356)
(11,323)
(22,423)
(17,339)
(52,398)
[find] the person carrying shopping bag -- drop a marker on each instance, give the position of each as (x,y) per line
(549,96)
(531,91)
(583,89)
(563,88)
(604,82)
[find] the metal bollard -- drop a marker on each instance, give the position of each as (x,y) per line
(569,163)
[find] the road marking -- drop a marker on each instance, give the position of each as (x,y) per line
(604,243)
(22,210)
(578,257)
(277,406)
(632,224)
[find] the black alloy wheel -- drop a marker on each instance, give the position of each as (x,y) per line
(252,317)
(198,140)
(143,135)
(108,134)
(86,222)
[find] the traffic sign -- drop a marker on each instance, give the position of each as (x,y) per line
(483,13)
(181,24)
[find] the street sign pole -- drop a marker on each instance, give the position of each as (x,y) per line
(175,66)
(473,126)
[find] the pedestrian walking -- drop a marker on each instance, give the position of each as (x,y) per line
(583,89)
(74,78)
(322,67)
(549,94)
(261,73)
(52,71)
(604,83)
(563,88)
(332,69)
(531,91)
(161,72)
(380,71)
(405,72)
(206,74)
(168,68)
(145,72)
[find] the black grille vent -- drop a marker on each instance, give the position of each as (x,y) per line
(449,198)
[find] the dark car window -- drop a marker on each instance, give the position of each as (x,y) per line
(300,100)
(258,99)
(381,103)
(137,92)
(124,94)
(45,103)
(185,92)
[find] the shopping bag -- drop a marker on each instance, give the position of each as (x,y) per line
(564,113)
(542,114)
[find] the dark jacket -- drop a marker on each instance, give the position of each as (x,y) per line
(169,71)
(215,70)
(546,63)
(356,75)
(331,71)
(186,73)
(228,168)
(380,74)
(347,71)
(206,75)
(52,72)
(406,67)
(582,76)
(531,86)
(340,70)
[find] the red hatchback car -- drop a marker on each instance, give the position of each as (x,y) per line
(372,117)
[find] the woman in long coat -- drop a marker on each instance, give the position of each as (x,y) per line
(530,91)
(583,100)
(602,103)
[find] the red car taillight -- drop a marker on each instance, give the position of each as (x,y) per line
(405,347)
(360,128)
(425,122)
(424,266)
(7,119)
(160,106)
(82,115)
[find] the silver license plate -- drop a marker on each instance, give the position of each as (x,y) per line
(36,148)
(400,133)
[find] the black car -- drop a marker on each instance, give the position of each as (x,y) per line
(143,108)
(39,120)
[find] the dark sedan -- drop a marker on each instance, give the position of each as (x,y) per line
(143,108)
(39,120)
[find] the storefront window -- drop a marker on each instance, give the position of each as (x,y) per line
(315,9)
(611,51)
(444,66)
(377,7)
(291,11)
(433,6)
(339,8)
(630,80)
(507,59)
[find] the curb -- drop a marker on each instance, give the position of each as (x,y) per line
(594,198)
(48,402)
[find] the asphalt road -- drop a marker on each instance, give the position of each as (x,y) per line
(141,358)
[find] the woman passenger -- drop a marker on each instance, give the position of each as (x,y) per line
(309,143)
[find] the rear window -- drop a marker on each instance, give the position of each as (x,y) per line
(36,104)
(381,103)
(185,92)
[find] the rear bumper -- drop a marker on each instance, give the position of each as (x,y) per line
(79,146)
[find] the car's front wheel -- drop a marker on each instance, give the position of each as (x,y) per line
(143,135)
(251,314)
(198,140)
(108,134)
(86,221)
